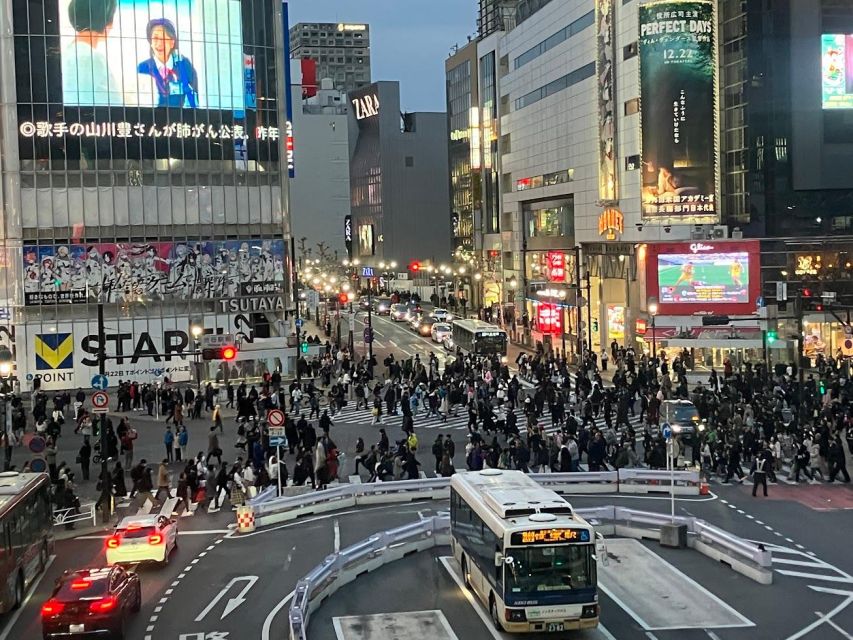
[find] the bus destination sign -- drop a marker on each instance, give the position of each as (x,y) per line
(549,536)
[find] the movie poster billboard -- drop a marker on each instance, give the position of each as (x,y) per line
(120,272)
(690,278)
(605,71)
(837,71)
(678,111)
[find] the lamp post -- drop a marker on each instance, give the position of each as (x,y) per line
(653,311)
(196,331)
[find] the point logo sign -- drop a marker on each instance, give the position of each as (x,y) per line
(54,351)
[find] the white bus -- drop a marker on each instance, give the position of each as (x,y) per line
(523,552)
(479,338)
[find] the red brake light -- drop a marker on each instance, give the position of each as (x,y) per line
(113,542)
(81,584)
(52,608)
(155,538)
(104,605)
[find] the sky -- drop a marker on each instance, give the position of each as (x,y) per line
(410,39)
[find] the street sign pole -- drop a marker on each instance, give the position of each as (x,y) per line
(278,471)
(671,481)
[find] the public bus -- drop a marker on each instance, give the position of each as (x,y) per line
(26,533)
(524,552)
(479,338)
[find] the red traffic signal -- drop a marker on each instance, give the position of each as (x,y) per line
(228,353)
(342,298)
(415,266)
(807,293)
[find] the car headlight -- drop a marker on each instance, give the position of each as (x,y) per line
(449,316)
(676,428)
(701,427)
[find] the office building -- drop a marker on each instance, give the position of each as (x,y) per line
(340,50)
(398,179)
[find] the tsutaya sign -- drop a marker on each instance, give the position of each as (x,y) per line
(611,222)
(366,106)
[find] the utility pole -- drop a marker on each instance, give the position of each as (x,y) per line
(801,352)
(106,493)
(589,311)
(369,328)
(578,299)
(295,288)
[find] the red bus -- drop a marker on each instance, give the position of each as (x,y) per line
(26,533)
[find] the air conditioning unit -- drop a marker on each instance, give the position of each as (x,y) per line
(698,233)
(737,234)
(720,232)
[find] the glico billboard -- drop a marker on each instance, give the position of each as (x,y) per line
(144,79)
(678,115)
(700,278)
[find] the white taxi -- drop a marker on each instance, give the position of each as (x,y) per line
(149,538)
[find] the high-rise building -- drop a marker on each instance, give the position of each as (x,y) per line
(160,203)
(340,50)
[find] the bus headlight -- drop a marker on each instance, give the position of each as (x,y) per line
(589,611)
(515,615)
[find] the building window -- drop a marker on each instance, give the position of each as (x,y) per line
(632,106)
(632,163)
(629,51)
(545,221)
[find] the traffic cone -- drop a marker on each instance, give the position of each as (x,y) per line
(704,489)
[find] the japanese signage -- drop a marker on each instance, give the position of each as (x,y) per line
(549,318)
(117,272)
(550,536)
(610,223)
(640,327)
(176,130)
(605,70)
(678,110)
(556,266)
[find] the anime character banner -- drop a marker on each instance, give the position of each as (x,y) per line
(119,272)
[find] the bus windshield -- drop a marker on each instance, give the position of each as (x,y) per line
(491,342)
(533,571)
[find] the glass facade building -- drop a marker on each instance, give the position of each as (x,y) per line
(141,146)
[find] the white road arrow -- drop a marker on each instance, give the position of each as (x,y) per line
(232,603)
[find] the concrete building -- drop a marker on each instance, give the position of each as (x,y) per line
(340,50)
(398,179)
(319,190)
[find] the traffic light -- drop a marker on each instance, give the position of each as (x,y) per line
(342,298)
(772,336)
(303,347)
(821,387)
(228,353)
(414,266)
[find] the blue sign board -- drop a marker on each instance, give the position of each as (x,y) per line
(299,323)
(278,441)
(666,430)
(100,382)
(367,272)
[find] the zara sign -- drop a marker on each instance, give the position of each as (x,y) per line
(366,106)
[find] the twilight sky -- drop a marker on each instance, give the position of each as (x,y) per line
(410,39)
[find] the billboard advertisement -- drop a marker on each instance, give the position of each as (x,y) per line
(119,272)
(605,66)
(678,111)
(837,71)
(690,278)
(142,79)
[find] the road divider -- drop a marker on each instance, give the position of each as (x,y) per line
(342,568)
(272,511)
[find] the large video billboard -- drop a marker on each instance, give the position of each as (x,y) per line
(691,278)
(118,272)
(143,79)
(678,110)
(837,71)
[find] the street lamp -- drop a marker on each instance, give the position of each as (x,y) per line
(653,311)
(196,330)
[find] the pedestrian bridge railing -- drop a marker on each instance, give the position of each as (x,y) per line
(276,510)
(342,568)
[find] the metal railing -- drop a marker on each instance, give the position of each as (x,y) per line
(275,510)
(70,515)
(339,569)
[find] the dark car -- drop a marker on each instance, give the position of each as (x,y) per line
(91,603)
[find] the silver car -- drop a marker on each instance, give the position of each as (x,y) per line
(441,331)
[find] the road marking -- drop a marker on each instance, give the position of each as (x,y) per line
(832,624)
(232,603)
(265,631)
(651,636)
(475,604)
(33,588)
(750,517)
(815,576)
(712,635)
(821,619)
(337,536)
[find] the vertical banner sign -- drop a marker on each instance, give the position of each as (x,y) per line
(556,266)
(288,94)
(348,235)
(678,111)
(604,67)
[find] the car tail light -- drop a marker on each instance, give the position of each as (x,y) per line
(113,542)
(52,608)
(155,538)
(80,584)
(104,605)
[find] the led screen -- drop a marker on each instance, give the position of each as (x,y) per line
(175,53)
(837,71)
(711,278)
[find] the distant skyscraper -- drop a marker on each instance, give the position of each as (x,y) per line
(340,50)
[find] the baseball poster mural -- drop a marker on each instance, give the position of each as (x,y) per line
(118,272)
(678,110)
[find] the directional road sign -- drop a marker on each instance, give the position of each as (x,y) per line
(100,402)
(100,382)
(299,323)
(368,335)
(275,418)
(666,430)
(277,437)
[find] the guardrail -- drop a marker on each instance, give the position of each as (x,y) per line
(275,510)
(69,515)
(339,569)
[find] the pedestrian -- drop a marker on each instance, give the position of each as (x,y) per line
(213,448)
(183,440)
(216,418)
(127,444)
(50,452)
(210,487)
(837,461)
(169,443)
(759,474)
(84,456)
(119,488)
(163,481)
